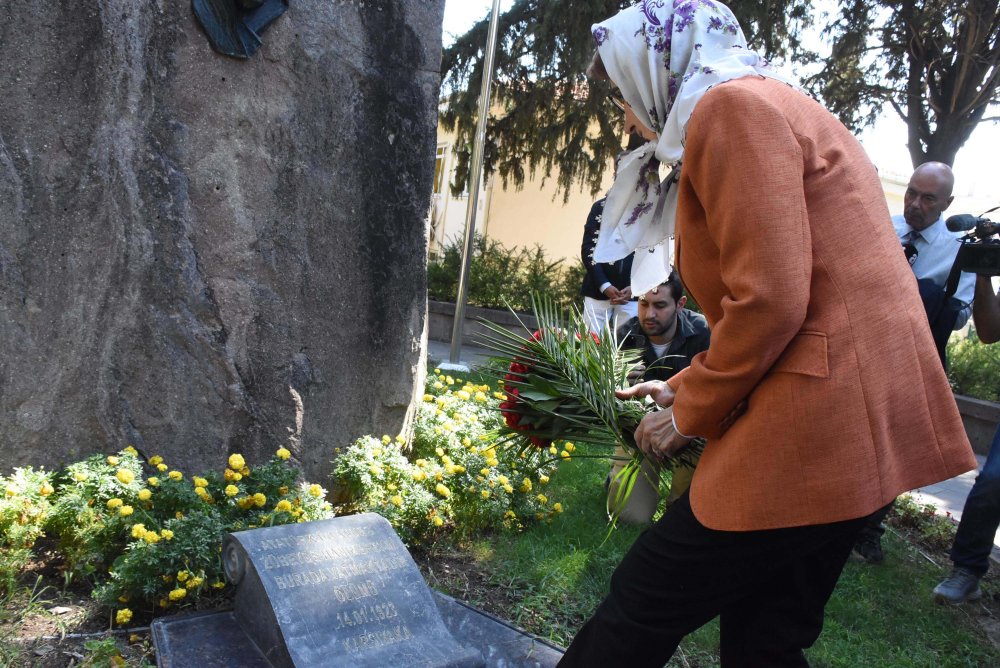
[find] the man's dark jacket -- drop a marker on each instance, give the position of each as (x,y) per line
(618,273)
(691,338)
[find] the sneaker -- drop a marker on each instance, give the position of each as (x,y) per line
(961,586)
(869,548)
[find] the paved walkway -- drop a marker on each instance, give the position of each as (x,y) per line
(948,496)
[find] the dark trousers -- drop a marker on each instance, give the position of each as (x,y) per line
(769,589)
(980,516)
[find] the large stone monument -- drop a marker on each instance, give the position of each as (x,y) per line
(200,254)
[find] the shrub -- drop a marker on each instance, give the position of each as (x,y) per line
(24,507)
(499,276)
(974,367)
(931,529)
(454,476)
(149,536)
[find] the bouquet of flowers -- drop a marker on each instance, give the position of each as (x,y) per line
(560,384)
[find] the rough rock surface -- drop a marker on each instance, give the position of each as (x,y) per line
(201,255)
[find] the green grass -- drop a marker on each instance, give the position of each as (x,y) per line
(878,616)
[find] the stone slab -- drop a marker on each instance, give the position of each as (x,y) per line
(343,591)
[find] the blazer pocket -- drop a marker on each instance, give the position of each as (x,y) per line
(806,354)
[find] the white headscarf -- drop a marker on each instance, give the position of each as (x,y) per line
(663,55)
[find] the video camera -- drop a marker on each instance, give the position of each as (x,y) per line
(980,251)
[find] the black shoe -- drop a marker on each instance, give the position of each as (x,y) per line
(869,548)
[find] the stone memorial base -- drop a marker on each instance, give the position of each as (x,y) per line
(218,641)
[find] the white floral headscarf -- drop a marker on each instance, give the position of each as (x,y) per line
(663,55)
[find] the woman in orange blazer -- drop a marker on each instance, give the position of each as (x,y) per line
(821,395)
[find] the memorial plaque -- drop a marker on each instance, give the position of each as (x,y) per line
(343,591)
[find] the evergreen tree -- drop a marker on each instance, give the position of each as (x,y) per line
(934,62)
(546,116)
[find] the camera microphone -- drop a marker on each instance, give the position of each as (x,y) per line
(962,222)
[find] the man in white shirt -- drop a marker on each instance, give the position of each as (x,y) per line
(921,229)
(931,249)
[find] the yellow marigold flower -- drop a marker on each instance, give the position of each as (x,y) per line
(397,501)
(376,452)
(493,461)
(218,584)
(199,482)
(46,489)
(236,462)
(232,490)
(467,442)
(386,440)
(481,397)
(283,506)
(438,476)
(419,476)
(259,499)
(113,460)
(194,582)
(503,480)
(564,455)
(175,475)
(283,453)
(569,447)
(552,450)
(177,594)
(437,371)
(485,494)
(153,481)
(437,521)
(544,479)
(125,511)
(484,437)
(439,452)
(11,490)
(125,476)
(463,395)
(115,503)
(201,492)
(151,537)
(484,471)
(508,489)
(145,495)
(161,467)
(499,395)
(283,490)
(542,499)
(155,460)
(557,507)
(375,470)
(449,380)
(167,534)
(244,502)
(438,385)
(442,490)
(80,476)
(428,397)
(316,491)
(421,463)
(131,450)
(245,471)
(179,515)
(123,616)
(138,530)
(182,576)
(510,515)
(400,439)
(525,485)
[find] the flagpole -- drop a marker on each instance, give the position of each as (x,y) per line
(476,169)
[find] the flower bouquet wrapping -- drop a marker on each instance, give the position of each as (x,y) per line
(560,382)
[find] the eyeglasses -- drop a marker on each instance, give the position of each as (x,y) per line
(617,100)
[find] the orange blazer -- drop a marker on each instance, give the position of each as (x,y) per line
(821,394)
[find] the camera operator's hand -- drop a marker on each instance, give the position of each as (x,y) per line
(986,310)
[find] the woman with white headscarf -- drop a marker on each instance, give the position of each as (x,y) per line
(820,396)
